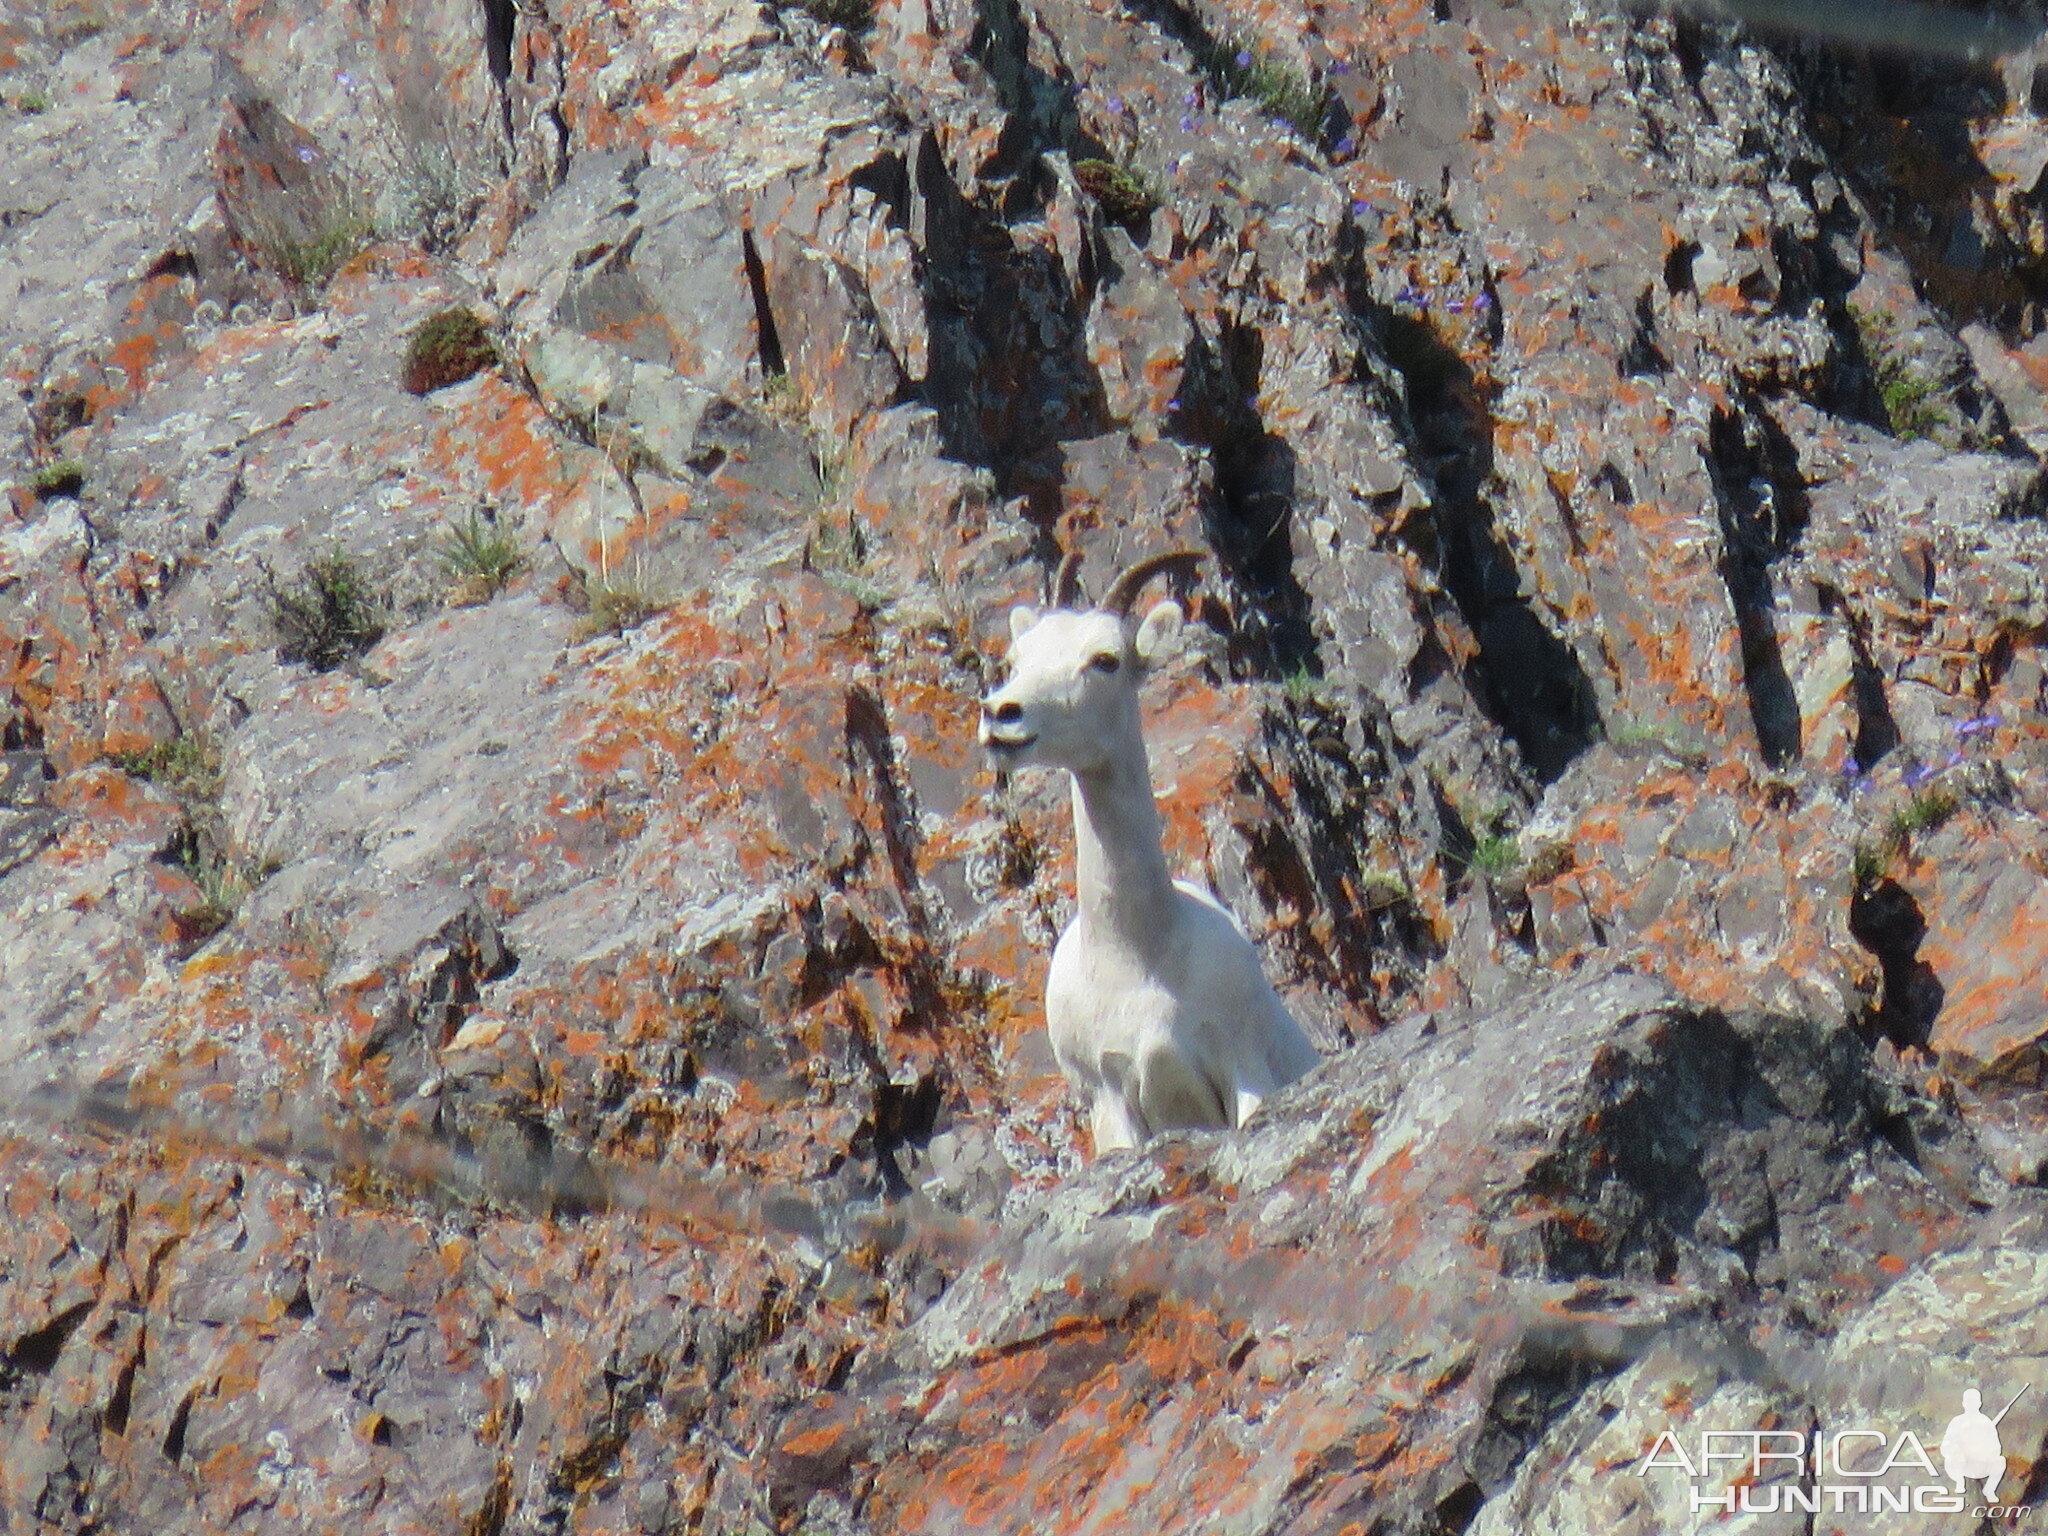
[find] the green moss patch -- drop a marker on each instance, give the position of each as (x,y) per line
(445,349)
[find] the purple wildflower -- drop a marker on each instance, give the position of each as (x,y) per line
(1456,306)
(346,80)
(1340,67)
(1865,784)
(308,154)
(1956,758)
(1346,144)
(1917,776)
(1360,207)
(1187,125)
(1482,303)
(1116,105)
(1978,726)
(1192,99)
(1244,59)
(1173,404)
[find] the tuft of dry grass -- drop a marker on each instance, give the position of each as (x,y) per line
(479,557)
(188,766)
(1241,68)
(307,255)
(328,616)
(616,605)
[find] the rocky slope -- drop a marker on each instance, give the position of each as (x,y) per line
(556,1046)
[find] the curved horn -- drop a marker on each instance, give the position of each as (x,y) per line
(1066,587)
(1123,592)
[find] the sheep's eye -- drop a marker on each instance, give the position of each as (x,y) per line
(1105,662)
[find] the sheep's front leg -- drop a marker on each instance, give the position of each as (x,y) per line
(1174,1091)
(1247,1102)
(1113,1123)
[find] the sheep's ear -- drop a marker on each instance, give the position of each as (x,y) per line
(1022,617)
(1159,635)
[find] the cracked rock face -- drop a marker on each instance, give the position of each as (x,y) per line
(1441,1242)
(565,1052)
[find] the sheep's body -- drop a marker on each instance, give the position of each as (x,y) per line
(1187,1034)
(1159,1012)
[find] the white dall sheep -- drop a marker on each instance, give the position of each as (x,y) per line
(1159,1013)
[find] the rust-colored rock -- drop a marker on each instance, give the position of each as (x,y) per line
(560,1075)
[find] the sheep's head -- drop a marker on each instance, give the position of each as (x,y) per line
(1072,697)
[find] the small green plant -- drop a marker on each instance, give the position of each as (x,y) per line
(32,103)
(1634,737)
(188,766)
(835,546)
(445,349)
(781,398)
(223,887)
(838,556)
(85,23)
(1627,734)
(328,616)
(617,604)
(480,557)
(1908,395)
(1301,685)
(199,852)
(871,594)
(66,477)
(1923,813)
(1494,855)
(308,260)
(1909,406)
(1868,865)
(1240,69)
(1121,194)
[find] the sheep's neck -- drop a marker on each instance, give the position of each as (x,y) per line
(1120,868)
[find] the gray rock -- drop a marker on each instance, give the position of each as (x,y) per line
(1593,1164)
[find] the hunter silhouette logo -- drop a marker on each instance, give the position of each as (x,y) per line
(1970,1448)
(1857,1470)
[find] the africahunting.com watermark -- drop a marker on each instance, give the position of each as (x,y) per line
(1861,1470)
